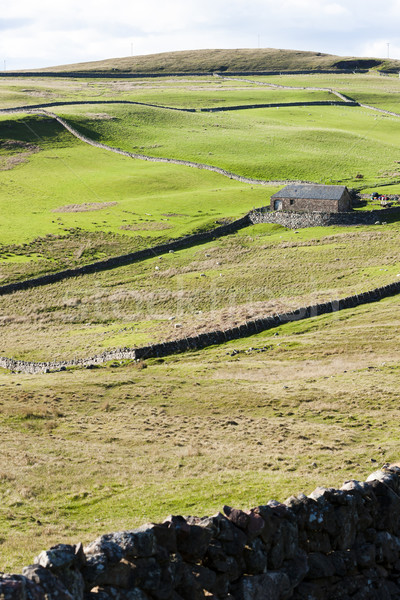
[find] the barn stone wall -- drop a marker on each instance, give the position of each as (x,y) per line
(333,544)
(210,338)
(298,220)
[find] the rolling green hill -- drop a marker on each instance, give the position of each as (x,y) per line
(243,59)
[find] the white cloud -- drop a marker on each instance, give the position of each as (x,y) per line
(378,48)
(45,34)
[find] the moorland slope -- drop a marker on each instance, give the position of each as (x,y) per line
(243,59)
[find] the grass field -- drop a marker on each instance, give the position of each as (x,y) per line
(371,88)
(259,271)
(146,204)
(85,452)
(311,403)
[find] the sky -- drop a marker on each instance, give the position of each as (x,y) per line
(44,33)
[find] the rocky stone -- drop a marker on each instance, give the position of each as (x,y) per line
(192,543)
(18,587)
(238,517)
(206,578)
(346,519)
(331,545)
(345,562)
(366,554)
(62,555)
(318,541)
(270,586)
(189,587)
(387,548)
(255,557)
(310,591)
(96,564)
(296,568)
(52,587)
(320,565)
(165,535)
(232,539)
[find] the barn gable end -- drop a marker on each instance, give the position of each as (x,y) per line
(312,198)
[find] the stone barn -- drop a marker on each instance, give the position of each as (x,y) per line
(312,198)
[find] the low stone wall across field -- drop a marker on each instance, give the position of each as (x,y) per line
(280,105)
(206,339)
(334,544)
(127,259)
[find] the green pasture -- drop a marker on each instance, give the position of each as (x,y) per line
(195,93)
(321,144)
(88,452)
(367,88)
(146,203)
(261,270)
(154,200)
(310,403)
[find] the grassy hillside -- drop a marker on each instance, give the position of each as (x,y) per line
(243,59)
(87,452)
(311,403)
(258,271)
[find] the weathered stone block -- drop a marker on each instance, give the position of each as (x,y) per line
(165,535)
(345,562)
(216,558)
(310,591)
(346,531)
(271,586)
(387,548)
(206,578)
(320,566)
(318,541)
(95,567)
(139,543)
(233,539)
(255,557)
(296,568)
(61,555)
(189,587)
(18,587)
(366,554)
(52,587)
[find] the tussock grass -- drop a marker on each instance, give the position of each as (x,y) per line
(309,406)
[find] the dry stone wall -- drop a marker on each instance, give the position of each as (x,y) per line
(334,544)
(206,339)
(298,220)
(126,259)
(280,104)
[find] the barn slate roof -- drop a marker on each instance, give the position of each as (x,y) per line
(311,191)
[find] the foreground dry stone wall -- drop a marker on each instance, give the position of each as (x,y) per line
(335,544)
